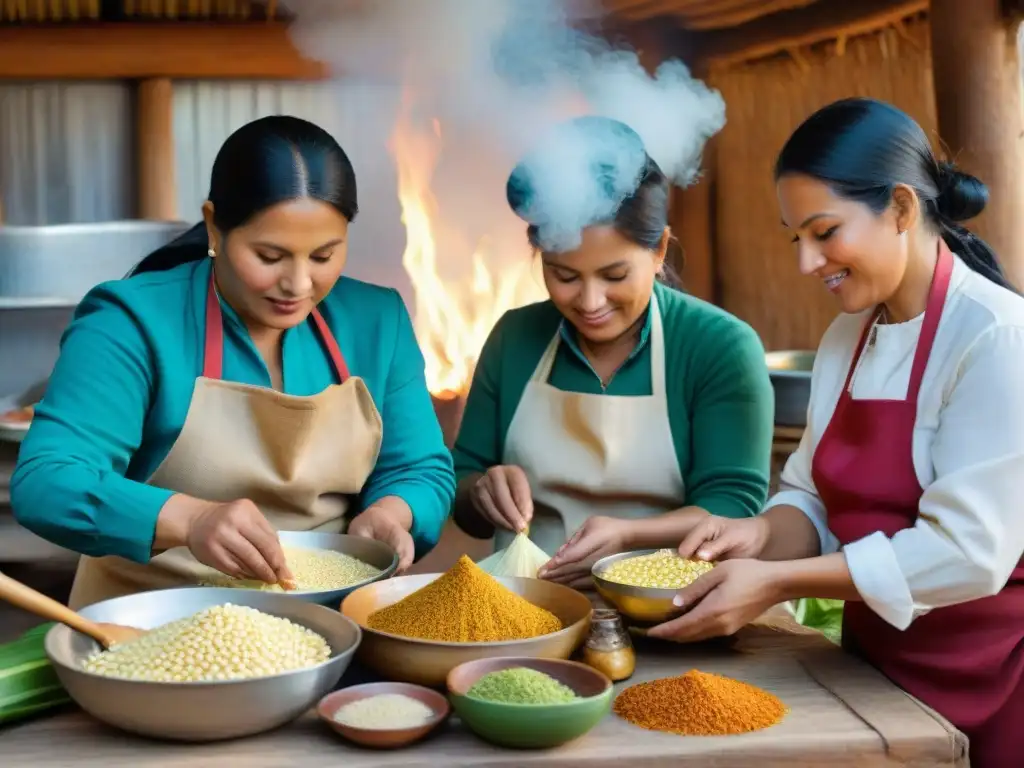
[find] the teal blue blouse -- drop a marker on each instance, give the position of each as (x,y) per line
(118,396)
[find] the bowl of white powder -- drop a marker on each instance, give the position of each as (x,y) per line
(384,715)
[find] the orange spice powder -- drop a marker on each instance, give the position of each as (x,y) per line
(699,704)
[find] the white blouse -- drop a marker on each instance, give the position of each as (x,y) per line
(968,450)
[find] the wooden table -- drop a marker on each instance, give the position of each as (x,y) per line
(842,715)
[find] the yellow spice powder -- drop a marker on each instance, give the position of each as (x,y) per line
(464,605)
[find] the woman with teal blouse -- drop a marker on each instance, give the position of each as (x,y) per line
(619,413)
(234,385)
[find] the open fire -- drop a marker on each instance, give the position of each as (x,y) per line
(465,285)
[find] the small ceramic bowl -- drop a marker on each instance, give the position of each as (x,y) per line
(383,738)
(531,726)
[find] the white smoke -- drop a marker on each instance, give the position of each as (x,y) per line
(501,74)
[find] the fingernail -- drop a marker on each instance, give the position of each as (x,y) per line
(677,601)
(704,554)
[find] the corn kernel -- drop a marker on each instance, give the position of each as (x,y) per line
(664,569)
(225,642)
(315,570)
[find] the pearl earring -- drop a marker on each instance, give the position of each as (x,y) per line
(211,253)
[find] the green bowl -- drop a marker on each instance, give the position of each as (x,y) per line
(531,726)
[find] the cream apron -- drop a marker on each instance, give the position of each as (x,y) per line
(300,459)
(588,455)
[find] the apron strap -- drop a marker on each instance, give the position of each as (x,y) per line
(657,344)
(932,315)
(542,372)
(213,347)
(929,326)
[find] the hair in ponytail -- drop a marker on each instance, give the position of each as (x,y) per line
(863,148)
(268,161)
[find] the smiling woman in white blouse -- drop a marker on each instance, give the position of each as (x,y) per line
(905,496)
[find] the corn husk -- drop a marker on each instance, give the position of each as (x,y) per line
(28,683)
(521,559)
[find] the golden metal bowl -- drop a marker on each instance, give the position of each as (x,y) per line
(644,606)
(428,662)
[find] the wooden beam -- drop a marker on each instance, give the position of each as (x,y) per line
(184,50)
(797,28)
(154,137)
(976,70)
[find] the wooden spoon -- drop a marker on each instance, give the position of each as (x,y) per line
(25,597)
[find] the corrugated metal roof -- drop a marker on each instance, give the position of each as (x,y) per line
(65,152)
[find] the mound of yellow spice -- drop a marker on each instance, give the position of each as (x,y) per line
(699,704)
(464,605)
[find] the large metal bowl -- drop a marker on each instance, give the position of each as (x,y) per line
(428,662)
(643,606)
(790,374)
(200,712)
(375,553)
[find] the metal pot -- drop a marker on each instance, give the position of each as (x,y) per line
(790,374)
(61,263)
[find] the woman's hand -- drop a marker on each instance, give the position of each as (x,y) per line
(723,601)
(383,522)
(721,538)
(596,538)
(502,496)
(236,539)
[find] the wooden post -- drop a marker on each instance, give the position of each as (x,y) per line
(692,209)
(155,145)
(976,67)
(693,222)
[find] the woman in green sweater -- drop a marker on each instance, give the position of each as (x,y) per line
(620,410)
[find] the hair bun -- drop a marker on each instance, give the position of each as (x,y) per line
(962,196)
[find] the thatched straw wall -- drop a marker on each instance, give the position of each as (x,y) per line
(755,259)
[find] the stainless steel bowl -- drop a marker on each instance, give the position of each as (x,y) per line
(642,605)
(375,553)
(199,712)
(790,374)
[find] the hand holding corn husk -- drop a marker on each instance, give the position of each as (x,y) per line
(596,538)
(502,496)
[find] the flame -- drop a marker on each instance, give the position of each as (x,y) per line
(453,315)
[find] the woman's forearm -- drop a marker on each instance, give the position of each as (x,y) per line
(176,515)
(664,531)
(791,534)
(826,577)
(465,514)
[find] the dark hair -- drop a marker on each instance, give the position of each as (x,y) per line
(268,161)
(863,148)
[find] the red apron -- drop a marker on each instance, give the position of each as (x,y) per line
(965,661)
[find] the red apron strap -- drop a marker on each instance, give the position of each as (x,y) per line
(213,347)
(932,315)
(333,350)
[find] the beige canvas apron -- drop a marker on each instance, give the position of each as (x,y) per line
(300,459)
(588,455)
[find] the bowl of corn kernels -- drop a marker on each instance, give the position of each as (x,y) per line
(212,663)
(326,566)
(642,584)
